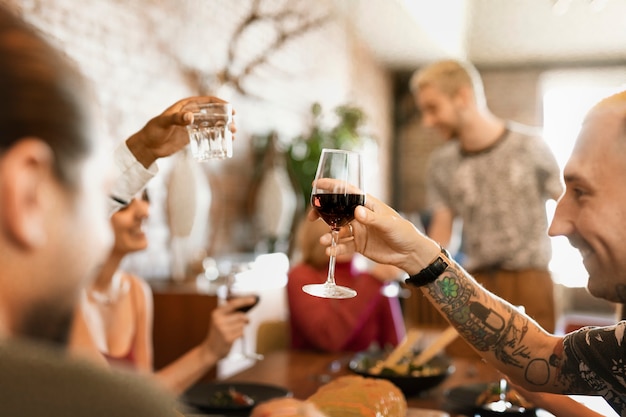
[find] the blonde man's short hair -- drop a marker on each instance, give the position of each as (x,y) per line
(449,76)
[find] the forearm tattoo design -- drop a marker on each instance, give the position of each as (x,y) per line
(501,333)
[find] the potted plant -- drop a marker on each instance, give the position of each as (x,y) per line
(304,152)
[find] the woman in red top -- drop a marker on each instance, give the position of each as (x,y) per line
(354,324)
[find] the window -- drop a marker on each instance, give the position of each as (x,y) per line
(567,96)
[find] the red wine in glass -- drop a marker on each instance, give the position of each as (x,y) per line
(337,210)
(247,308)
(337,191)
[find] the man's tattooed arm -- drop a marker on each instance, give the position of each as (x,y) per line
(501,334)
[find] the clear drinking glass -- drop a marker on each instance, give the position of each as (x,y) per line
(337,190)
(209,134)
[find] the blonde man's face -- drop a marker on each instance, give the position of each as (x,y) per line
(439,110)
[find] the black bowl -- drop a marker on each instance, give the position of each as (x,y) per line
(200,396)
(440,368)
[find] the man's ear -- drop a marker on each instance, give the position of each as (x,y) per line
(26,175)
(465,95)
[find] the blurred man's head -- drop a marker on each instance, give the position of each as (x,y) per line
(444,91)
(592,211)
(53,219)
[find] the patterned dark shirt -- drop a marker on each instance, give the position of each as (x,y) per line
(595,363)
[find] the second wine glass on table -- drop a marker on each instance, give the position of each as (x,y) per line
(337,191)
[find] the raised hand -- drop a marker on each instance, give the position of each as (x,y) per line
(166,134)
(381,234)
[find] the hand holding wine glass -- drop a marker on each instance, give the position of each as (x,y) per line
(335,202)
(233,290)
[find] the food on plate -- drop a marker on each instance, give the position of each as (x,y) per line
(404,367)
(229,398)
(397,356)
(409,370)
(405,360)
(491,394)
(360,397)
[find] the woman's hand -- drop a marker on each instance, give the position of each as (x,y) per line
(166,134)
(226,326)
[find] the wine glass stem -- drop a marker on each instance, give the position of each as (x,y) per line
(244,348)
(330,280)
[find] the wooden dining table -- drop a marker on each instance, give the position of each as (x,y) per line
(303,372)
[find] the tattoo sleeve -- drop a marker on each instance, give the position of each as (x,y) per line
(491,325)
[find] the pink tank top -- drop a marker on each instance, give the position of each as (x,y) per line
(127,360)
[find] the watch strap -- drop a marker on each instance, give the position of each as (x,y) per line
(431,272)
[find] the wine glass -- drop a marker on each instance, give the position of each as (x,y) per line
(335,202)
(234,289)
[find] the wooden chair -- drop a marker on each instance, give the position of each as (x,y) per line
(420,313)
(272,335)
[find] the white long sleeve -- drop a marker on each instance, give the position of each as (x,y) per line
(129,177)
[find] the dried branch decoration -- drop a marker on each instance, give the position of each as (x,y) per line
(287,25)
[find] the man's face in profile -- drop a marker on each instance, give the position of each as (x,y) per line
(592,211)
(79,239)
(439,111)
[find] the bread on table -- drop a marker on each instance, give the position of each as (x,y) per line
(286,407)
(346,396)
(356,396)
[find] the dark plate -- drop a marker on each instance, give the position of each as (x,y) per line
(463,400)
(200,394)
(409,385)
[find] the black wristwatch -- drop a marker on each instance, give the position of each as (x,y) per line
(431,272)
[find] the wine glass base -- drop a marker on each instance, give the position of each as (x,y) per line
(329,291)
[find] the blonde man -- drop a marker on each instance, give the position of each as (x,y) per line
(496,177)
